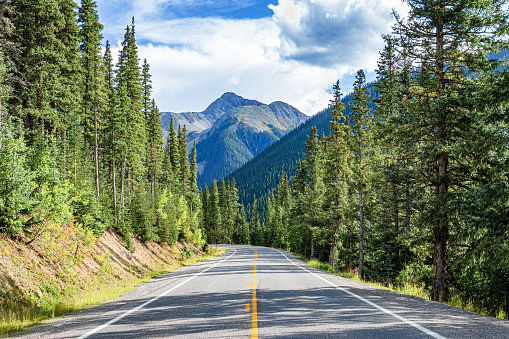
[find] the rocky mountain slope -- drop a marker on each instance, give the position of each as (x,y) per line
(232,130)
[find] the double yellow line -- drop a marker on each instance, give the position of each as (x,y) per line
(254,319)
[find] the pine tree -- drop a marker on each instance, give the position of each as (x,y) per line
(314,192)
(447,42)
(91,37)
(338,166)
(193,176)
(214,210)
(173,148)
(256,236)
(128,73)
(360,144)
(207,225)
(48,61)
(155,148)
(146,84)
(183,161)
(244,226)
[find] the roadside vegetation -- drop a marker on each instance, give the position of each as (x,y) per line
(43,284)
(410,288)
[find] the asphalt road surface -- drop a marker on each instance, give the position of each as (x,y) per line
(253,292)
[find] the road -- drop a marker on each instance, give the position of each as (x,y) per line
(253,292)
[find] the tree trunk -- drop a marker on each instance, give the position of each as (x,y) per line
(361,231)
(122,186)
(441,229)
(332,254)
(312,246)
(96,146)
(408,208)
(114,179)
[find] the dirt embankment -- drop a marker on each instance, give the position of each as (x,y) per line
(64,262)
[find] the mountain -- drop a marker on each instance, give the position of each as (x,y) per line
(261,174)
(232,130)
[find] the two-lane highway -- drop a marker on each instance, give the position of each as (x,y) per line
(261,292)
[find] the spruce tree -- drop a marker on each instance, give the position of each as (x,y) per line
(214,211)
(448,43)
(256,235)
(337,166)
(193,177)
(361,145)
(90,46)
(183,162)
(146,84)
(155,148)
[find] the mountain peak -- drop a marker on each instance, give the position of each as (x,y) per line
(230,96)
(226,102)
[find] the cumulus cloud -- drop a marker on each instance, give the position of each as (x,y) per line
(294,56)
(333,33)
(194,61)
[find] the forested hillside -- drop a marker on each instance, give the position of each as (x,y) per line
(260,175)
(239,135)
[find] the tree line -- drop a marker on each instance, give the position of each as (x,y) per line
(417,190)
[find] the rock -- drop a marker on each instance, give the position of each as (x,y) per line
(127,253)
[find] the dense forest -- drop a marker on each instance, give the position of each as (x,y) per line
(81,141)
(416,191)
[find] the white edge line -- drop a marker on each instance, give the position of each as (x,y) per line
(99,328)
(409,322)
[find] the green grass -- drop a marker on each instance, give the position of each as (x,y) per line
(20,311)
(410,289)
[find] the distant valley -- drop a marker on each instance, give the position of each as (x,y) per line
(231,131)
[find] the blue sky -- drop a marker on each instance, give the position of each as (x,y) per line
(288,50)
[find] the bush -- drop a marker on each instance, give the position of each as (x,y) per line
(415,274)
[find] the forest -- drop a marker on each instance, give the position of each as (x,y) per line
(416,191)
(81,141)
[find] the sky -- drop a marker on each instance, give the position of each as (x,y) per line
(266,50)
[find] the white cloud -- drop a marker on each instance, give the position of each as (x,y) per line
(334,33)
(194,61)
(294,56)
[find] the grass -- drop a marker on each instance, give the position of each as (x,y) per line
(410,289)
(21,311)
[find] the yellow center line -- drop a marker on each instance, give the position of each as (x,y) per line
(247,307)
(254,320)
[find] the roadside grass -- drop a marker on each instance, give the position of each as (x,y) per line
(410,289)
(20,311)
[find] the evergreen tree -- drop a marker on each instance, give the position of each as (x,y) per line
(146,84)
(173,149)
(448,42)
(256,236)
(361,145)
(91,37)
(214,211)
(193,176)
(314,191)
(337,167)
(243,225)
(183,161)
(155,147)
